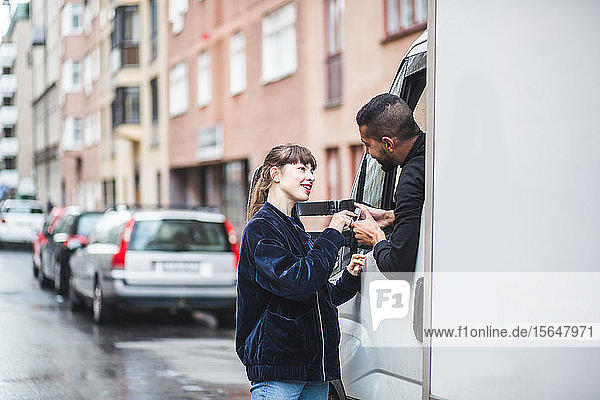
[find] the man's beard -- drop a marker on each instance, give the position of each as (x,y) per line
(386,163)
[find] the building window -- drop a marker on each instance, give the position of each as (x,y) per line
(177,10)
(279,57)
(178,89)
(7,71)
(76,74)
(154,28)
(71,76)
(334,11)
(8,131)
(204,79)
(9,162)
(125,38)
(109,192)
(76,15)
(237,68)
(332,173)
(404,16)
(8,101)
(71,19)
(72,134)
(126,106)
(154,93)
(77,132)
(357,153)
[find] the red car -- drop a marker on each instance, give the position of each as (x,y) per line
(42,237)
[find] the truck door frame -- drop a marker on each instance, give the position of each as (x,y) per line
(429,174)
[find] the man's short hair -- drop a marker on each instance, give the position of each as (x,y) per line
(387,115)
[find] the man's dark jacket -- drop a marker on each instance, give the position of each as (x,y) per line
(399,252)
(287,322)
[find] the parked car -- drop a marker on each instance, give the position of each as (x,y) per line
(42,237)
(20,221)
(72,229)
(159,259)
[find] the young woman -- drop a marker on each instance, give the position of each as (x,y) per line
(287,332)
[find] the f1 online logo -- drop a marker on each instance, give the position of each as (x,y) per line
(389,300)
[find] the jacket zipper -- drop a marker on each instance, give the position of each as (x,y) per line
(322,337)
(310,246)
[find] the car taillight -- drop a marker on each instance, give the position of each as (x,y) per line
(235,247)
(118,261)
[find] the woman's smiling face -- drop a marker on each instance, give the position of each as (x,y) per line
(296,181)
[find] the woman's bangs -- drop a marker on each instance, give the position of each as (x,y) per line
(301,155)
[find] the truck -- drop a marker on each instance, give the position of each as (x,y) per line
(507,93)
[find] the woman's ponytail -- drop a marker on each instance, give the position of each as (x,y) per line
(259,193)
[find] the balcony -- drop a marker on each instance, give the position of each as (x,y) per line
(8,85)
(9,177)
(8,54)
(38,35)
(124,56)
(125,39)
(8,115)
(9,147)
(129,132)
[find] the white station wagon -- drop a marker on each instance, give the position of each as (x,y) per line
(160,259)
(20,221)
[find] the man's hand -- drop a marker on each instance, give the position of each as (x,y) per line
(367,230)
(382,217)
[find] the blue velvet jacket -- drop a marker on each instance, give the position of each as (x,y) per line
(287,322)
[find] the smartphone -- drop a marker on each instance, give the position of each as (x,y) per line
(357,213)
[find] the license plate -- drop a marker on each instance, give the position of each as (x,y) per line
(180,267)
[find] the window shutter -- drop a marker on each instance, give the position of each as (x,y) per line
(67,76)
(68,134)
(66,20)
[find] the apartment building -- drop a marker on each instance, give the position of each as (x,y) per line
(79,103)
(133,163)
(247,75)
(16,160)
(46,113)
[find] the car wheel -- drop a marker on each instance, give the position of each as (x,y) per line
(100,310)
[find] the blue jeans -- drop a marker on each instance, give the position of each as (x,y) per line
(289,390)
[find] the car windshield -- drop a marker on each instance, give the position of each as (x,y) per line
(179,235)
(87,222)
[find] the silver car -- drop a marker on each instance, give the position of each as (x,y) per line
(169,259)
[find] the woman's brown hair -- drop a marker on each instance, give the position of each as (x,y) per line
(278,156)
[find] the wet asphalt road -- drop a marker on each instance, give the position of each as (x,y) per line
(49,352)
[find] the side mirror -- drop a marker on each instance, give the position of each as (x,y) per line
(60,237)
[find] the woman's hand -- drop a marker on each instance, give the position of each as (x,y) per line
(341,220)
(357,263)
